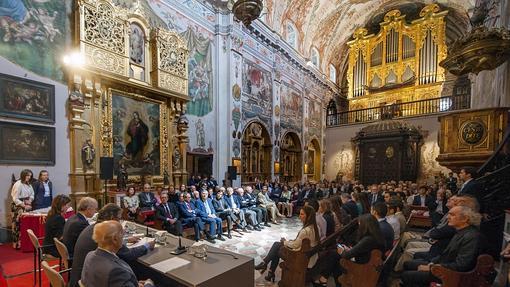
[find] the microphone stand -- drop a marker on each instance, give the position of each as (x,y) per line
(180,249)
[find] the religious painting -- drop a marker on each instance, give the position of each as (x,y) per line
(26,99)
(200,76)
(292,109)
(27,144)
(314,118)
(136,134)
(310,161)
(32,34)
(258,94)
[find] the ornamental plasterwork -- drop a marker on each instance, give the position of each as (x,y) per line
(104,29)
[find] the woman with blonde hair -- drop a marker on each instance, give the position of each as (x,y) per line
(284,204)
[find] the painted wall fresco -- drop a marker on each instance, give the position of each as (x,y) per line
(257,102)
(32,34)
(291,109)
(313,120)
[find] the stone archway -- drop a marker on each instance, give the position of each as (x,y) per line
(256,153)
(291,159)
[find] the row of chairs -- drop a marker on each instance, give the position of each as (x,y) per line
(41,260)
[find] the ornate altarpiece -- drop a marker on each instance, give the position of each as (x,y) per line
(126,58)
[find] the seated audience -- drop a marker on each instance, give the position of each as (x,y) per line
(173,195)
(423,199)
(393,219)
(349,205)
(309,231)
(369,237)
(439,207)
(87,207)
(375,195)
(54,226)
(328,215)
(234,203)
(252,213)
(262,216)
(319,219)
(265,202)
(168,213)
(379,210)
(224,212)
(147,199)
(361,200)
(43,191)
(207,213)
(284,204)
(86,244)
(190,215)
(131,202)
(102,267)
(460,255)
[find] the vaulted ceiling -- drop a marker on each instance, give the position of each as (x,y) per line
(329,24)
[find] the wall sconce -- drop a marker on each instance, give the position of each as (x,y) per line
(237,163)
(306,168)
(276,167)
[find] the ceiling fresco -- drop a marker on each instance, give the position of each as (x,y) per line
(329,24)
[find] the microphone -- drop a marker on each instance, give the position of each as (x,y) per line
(180,249)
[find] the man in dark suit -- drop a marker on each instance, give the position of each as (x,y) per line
(167,212)
(189,215)
(460,255)
(252,215)
(207,213)
(349,205)
(224,211)
(86,244)
(251,203)
(87,207)
(102,268)
(43,191)
(234,203)
(470,186)
(379,211)
(375,196)
(423,199)
(147,199)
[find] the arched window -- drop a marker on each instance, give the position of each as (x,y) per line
(137,52)
(315,57)
(332,73)
(331,113)
(291,35)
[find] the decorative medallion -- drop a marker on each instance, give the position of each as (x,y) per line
(236,147)
(236,92)
(372,152)
(277,111)
(472,132)
(390,152)
(236,117)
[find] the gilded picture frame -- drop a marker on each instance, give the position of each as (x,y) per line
(27,144)
(26,99)
(139,133)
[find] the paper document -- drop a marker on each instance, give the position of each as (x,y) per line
(170,264)
(140,242)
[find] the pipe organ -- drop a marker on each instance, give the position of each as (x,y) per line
(400,62)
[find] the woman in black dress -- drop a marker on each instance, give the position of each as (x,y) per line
(55,223)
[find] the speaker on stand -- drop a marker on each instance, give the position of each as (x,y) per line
(232,172)
(105,173)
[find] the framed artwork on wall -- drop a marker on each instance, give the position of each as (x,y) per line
(26,144)
(26,99)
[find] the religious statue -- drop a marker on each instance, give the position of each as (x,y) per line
(88,154)
(176,158)
(166,178)
(139,133)
(76,97)
(122,177)
(200,133)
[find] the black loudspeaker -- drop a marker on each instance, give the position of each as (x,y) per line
(106,168)
(232,172)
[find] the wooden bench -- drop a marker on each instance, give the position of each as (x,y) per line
(478,277)
(419,218)
(362,275)
(295,263)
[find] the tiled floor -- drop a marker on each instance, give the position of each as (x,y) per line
(256,244)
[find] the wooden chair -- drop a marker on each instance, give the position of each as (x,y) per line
(64,255)
(55,278)
(362,275)
(146,217)
(478,277)
(39,255)
(294,265)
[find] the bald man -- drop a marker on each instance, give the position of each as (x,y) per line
(102,267)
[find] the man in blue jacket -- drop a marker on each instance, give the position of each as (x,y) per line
(189,215)
(207,213)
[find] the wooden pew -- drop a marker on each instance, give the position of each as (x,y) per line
(418,217)
(362,275)
(477,277)
(294,263)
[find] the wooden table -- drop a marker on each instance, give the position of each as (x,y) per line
(219,269)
